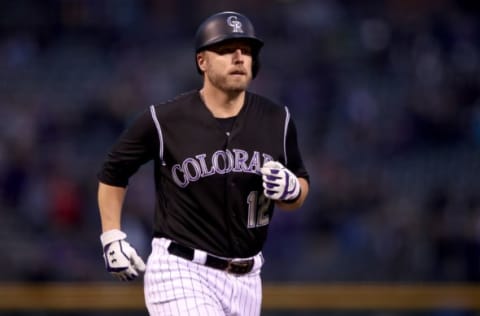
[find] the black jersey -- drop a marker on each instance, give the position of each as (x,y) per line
(207,174)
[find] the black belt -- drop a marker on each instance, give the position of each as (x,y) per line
(230,266)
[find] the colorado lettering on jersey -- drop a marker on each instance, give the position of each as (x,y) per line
(221,162)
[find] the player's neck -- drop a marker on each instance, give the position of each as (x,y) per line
(222,104)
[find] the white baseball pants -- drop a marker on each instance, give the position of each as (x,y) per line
(176,286)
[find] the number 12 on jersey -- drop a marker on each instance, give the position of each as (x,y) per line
(257,210)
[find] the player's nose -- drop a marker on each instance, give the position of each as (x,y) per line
(238,55)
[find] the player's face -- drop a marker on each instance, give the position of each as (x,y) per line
(228,66)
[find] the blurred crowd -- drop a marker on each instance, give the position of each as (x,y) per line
(386,98)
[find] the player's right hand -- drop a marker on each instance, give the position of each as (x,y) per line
(121,259)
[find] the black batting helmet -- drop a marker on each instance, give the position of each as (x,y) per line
(225,26)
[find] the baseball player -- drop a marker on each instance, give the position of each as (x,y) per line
(223,158)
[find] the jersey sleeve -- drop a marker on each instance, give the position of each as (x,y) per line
(294,161)
(135,146)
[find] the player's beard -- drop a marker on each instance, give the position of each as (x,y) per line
(229,83)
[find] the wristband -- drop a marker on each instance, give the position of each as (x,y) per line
(295,199)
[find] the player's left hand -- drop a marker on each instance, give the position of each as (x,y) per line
(279,183)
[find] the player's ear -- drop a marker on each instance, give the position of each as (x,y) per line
(201,61)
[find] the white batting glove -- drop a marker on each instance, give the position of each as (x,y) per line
(279,183)
(121,259)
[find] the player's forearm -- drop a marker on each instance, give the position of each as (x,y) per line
(299,202)
(110,202)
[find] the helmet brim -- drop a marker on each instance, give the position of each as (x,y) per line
(254,42)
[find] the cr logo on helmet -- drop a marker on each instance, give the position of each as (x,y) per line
(233,22)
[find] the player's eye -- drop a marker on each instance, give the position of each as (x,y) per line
(223,50)
(246,50)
